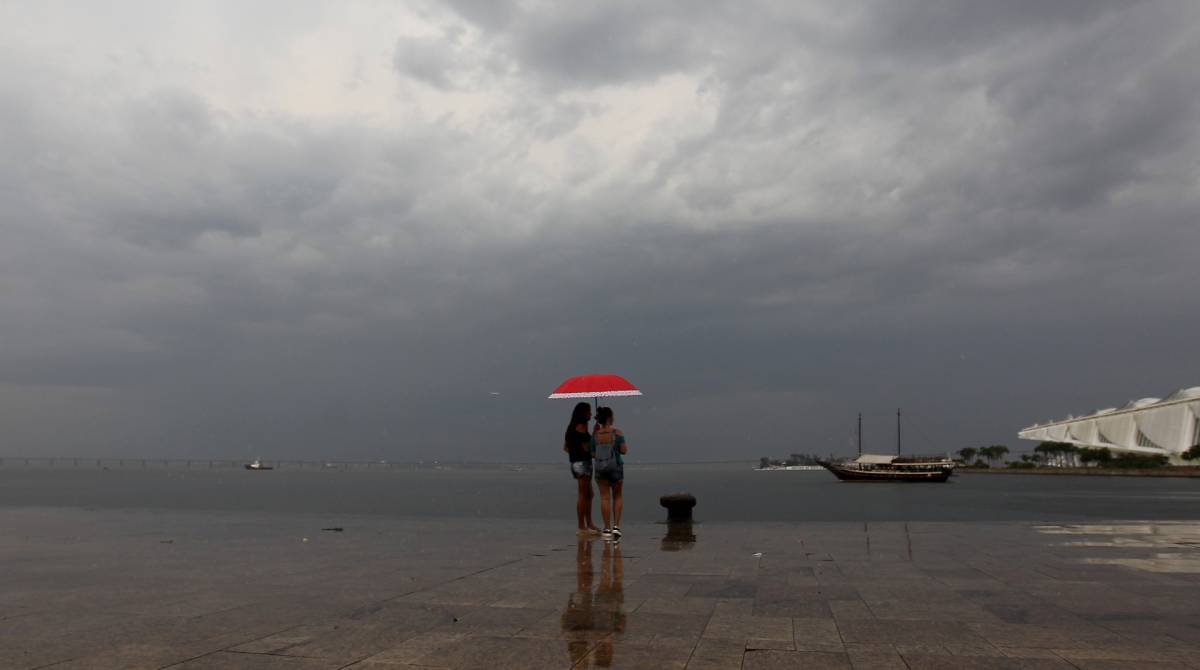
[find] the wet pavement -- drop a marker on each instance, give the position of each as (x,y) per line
(141,589)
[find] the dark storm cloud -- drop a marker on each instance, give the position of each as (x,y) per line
(986,214)
(589,44)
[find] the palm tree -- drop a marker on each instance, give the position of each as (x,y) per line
(1070,454)
(998,451)
(1047,450)
(986,453)
(993,453)
(1094,455)
(1060,452)
(968,454)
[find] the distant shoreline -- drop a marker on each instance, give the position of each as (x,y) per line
(1176,471)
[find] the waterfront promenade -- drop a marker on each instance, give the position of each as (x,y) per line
(203,590)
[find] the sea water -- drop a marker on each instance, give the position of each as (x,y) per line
(725,493)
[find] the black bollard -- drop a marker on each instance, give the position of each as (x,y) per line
(679,506)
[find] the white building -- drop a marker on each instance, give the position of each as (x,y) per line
(1166,426)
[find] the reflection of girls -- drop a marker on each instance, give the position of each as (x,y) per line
(608,444)
(609,602)
(577,444)
(577,618)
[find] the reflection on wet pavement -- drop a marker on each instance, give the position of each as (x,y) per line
(593,616)
(679,537)
(1167,535)
(101,590)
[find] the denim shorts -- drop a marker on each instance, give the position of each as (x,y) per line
(612,476)
(581,468)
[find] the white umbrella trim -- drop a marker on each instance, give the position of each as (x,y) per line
(597,394)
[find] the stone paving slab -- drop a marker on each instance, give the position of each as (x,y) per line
(136,589)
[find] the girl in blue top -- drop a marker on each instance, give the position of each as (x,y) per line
(608,445)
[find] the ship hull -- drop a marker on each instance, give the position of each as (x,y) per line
(847,474)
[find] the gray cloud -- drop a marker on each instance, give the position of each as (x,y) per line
(428,60)
(985,215)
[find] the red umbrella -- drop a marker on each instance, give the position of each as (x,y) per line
(595,386)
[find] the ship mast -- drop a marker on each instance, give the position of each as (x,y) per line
(897,431)
(860,434)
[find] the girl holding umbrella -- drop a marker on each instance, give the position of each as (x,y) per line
(579,446)
(577,443)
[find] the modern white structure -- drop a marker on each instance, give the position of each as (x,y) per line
(1166,426)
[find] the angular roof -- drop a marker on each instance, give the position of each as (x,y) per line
(1184,394)
(1192,393)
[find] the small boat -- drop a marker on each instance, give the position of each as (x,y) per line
(257,465)
(884,468)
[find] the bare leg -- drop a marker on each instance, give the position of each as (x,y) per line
(618,502)
(605,500)
(589,495)
(583,503)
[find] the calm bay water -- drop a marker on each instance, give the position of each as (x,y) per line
(726,494)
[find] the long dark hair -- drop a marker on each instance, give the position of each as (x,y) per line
(579,415)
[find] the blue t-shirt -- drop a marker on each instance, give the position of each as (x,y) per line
(618,440)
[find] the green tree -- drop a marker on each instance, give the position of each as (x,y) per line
(763,462)
(967,454)
(1097,455)
(985,454)
(1192,453)
(1070,454)
(1045,450)
(1053,451)
(999,451)
(993,453)
(1138,461)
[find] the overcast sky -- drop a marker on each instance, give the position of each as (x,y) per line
(334,230)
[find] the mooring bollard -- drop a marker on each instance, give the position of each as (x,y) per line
(679,506)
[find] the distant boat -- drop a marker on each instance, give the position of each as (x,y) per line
(257,465)
(883,468)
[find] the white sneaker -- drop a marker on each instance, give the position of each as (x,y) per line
(606,533)
(616,532)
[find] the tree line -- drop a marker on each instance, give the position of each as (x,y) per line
(982,457)
(793,459)
(1066,455)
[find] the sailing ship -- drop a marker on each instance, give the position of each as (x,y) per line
(258,465)
(885,468)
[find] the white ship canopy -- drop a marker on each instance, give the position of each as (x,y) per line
(874,459)
(1167,426)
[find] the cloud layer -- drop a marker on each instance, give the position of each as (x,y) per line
(326,230)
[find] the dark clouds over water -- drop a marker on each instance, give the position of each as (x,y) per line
(331,229)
